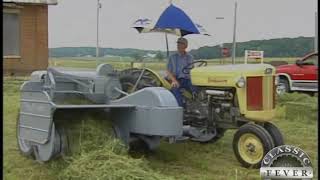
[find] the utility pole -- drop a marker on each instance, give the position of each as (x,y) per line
(97,46)
(316,33)
(221,45)
(234,34)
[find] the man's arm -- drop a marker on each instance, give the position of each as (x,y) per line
(170,74)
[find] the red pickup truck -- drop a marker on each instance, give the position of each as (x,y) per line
(301,76)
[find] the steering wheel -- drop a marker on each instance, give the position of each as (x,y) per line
(187,68)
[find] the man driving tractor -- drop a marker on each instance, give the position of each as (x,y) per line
(180,79)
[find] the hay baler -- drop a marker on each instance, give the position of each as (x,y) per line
(148,114)
(240,96)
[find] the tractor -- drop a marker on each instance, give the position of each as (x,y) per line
(235,96)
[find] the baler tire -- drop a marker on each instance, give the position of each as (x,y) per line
(262,141)
(26,151)
(275,133)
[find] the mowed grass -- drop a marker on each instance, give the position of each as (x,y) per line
(296,118)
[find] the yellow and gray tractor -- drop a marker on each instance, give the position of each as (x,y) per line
(236,96)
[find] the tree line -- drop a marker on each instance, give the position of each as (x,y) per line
(281,47)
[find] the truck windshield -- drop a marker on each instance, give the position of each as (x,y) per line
(312,60)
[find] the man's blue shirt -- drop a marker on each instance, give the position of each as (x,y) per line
(177,62)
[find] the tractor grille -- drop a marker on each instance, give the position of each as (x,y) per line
(254,93)
(260,93)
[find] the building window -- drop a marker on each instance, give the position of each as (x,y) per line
(11,34)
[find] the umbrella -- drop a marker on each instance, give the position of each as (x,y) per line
(173,20)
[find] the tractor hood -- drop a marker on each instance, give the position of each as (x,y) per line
(228,75)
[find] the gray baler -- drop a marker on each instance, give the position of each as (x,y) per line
(148,114)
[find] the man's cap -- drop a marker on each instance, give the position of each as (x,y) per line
(182,40)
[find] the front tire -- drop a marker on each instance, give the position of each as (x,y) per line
(250,144)
(275,133)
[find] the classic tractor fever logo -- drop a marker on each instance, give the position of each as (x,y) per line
(286,162)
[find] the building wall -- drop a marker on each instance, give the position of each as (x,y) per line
(33,44)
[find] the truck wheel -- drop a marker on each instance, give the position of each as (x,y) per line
(275,133)
(284,86)
(250,144)
(24,146)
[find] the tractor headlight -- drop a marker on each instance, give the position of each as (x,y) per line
(268,71)
(241,82)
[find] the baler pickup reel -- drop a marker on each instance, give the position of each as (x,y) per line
(148,114)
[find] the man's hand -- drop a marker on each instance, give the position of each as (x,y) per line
(175,84)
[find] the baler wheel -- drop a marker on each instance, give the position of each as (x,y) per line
(45,152)
(24,146)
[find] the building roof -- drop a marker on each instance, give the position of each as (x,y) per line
(49,2)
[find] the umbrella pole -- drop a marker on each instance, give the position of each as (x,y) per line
(167,44)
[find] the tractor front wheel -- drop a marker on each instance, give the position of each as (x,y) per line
(275,133)
(250,144)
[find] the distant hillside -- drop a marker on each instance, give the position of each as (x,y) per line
(91,51)
(282,47)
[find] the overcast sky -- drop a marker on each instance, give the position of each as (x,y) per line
(73,22)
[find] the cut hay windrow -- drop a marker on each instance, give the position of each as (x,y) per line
(296,106)
(94,152)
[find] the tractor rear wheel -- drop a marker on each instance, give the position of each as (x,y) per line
(250,144)
(24,146)
(275,133)
(129,79)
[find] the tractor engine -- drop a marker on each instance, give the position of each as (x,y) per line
(209,106)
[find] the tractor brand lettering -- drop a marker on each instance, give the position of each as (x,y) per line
(286,161)
(216,80)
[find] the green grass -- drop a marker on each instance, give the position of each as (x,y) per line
(297,121)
